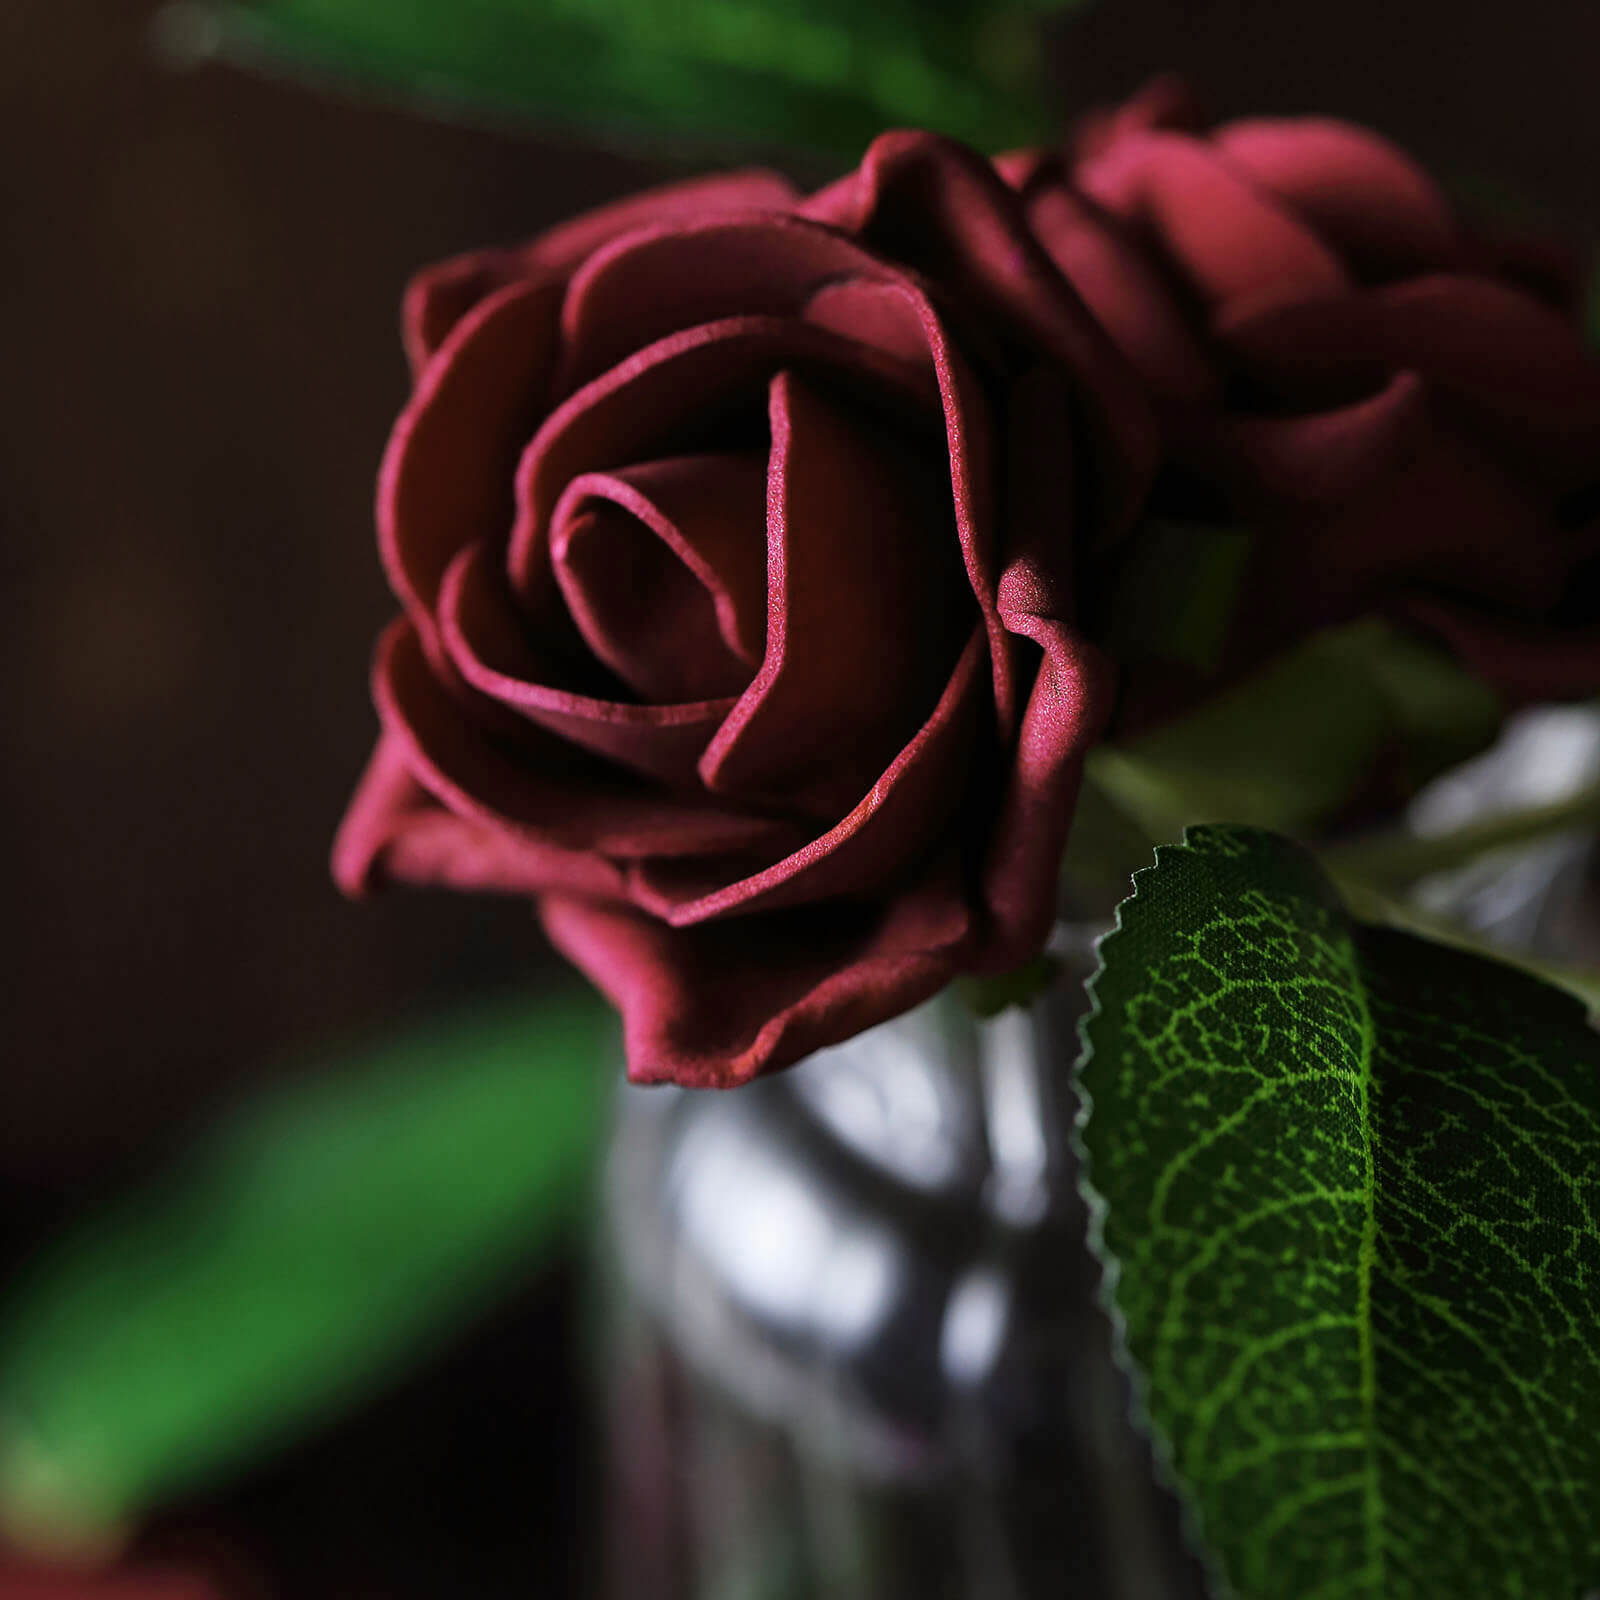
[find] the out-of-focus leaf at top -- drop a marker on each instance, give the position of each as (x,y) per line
(304,1251)
(823,76)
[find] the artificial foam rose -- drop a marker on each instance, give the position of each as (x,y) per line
(737,536)
(1400,412)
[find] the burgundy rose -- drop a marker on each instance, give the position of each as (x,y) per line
(736,534)
(1399,411)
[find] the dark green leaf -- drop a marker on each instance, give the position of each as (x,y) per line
(311,1246)
(1349,1187)
(1397,858)
(1373,905)
(1291,746)
(823,76)
(1175,593)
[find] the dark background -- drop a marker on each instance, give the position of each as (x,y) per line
(199,275)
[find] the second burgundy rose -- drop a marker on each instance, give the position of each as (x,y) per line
(1397,410)
(737,537)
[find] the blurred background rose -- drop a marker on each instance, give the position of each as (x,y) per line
(198,273)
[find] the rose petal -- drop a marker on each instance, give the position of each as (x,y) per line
(1446,515)
(1455,517)
(1330,350)
(1527,662)
(545,789)
(646,286)
(715,1005)
(1068,705)
(900,817)
(1321,458)
(562,248)
(446,475)
(1119,285)
(1508,364)
(1361,194)
(1166,102)
(640,609)
(885,316)
(438,297)
(663,568)
(490,647)
(395,830)
(1517,367)
(636,412)
(895,318)
(1223,234)
(867,603)
(943,209)
(1022,169)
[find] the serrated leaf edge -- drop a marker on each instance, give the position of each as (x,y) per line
(1097,1208)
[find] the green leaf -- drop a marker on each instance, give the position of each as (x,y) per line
(1347,1183)
(305,1251)
(993,993)
(1175,593)
(1371,904)
(1291,746)
(1395,859)
(828,75)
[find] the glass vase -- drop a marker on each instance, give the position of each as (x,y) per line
(853,1340)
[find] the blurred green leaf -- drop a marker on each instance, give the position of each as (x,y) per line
(303,1252)
(1175,593)
(1397,858)
(823,76)
(988,996)
(1291,746)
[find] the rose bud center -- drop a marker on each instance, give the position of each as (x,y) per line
(663,570)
